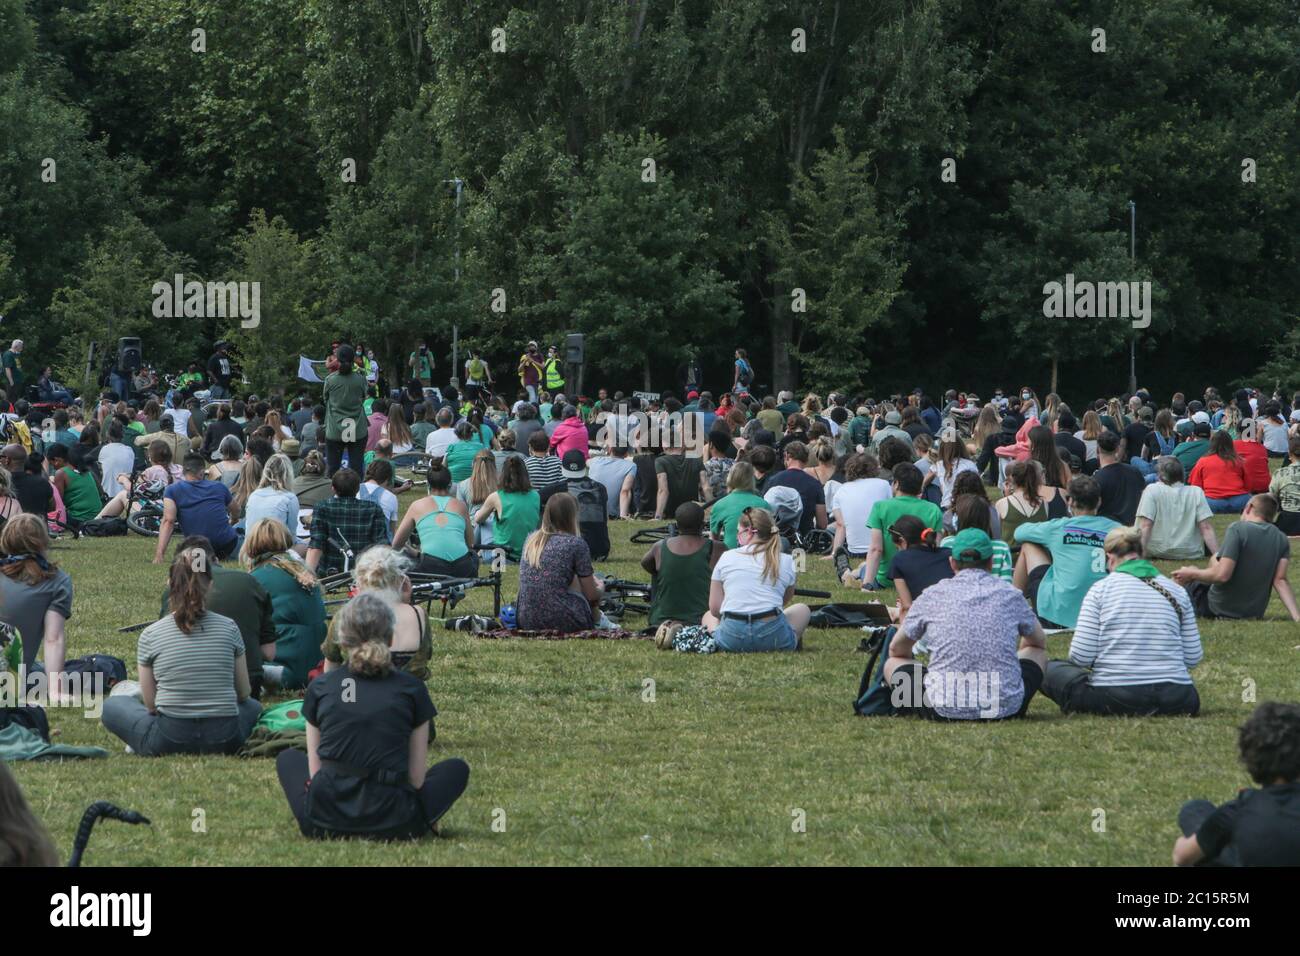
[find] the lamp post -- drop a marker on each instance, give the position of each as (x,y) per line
(1132,345)
(455,325)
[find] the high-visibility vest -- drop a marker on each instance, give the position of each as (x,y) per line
(554,379)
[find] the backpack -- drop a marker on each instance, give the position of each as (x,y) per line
(104,527)
(113,668)
(285,716)
(746,373)
(874,698)
(590,509)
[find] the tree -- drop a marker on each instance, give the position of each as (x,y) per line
(628,272)
(840,252)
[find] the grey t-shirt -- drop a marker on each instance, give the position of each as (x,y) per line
(196,671)
(611,472)
(24,606)
(1257,548)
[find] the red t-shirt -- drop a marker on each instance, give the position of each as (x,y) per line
(1219,478)
(1255,457)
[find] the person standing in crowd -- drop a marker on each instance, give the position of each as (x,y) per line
(345,422)
(553,371)
(478,376)
(220,371)
(421,364)
(743,376)
(530,371)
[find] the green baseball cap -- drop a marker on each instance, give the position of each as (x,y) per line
(971,540)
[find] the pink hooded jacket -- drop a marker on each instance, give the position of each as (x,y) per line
(570,434)
(1020,450)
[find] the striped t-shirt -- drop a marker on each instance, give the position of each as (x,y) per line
(195,672)
(1128,633)
(543,471)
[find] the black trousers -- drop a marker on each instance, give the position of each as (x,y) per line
(1067,685)
(356,451)
(465,566)
(443,784)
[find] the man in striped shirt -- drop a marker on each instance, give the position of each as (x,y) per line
(1134,643)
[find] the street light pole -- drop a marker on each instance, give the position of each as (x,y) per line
(1132,345)
(455,325)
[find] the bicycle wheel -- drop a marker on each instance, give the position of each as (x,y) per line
(147,521)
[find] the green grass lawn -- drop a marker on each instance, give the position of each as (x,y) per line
(565,750)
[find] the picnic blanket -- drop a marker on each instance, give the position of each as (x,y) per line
(595,634)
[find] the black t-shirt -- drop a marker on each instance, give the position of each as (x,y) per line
(1135,436)
(1121,489)
(810,491)
(920,567)
(1070,445)
(219,370)
(683,472)
(366,724)
(1262,826)
(33,492)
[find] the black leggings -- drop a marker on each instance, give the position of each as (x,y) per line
(443,784)
(356,452)
(466,566)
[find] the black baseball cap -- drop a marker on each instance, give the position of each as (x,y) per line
(574,464)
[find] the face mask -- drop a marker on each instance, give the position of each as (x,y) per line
(1024,396)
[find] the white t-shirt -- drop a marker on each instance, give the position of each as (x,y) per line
(853,500)
(746,590)
(946,483)
(439,441)
(1176,512)
(180,420)
(115,459)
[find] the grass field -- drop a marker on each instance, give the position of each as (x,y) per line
(566,752)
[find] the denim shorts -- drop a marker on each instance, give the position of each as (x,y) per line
(769,634)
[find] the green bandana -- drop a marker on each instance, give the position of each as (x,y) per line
(1139,568)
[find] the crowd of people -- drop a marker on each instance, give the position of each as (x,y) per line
(267,495)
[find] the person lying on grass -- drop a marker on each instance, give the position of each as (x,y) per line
(1250,565)
(751,584)
(1134,642)
(1260,827)
(971,624)
(368,730)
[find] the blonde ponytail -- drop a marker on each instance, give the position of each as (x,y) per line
(765,540)
(364,631)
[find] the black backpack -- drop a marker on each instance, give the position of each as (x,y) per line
(591,510)
(104,527)
(874,695)
(113,668)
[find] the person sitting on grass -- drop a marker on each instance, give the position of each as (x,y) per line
(854,500)
(750,586)
(1251,563)
(199,507)
(1284,486)
(1134,642)
(874,572)
(724,512)
(680,567)
(195,694)
(77,486)
(1174,517)
(1260,827)
(918,562)
(987,649)
(344,525)
(368,729)
(972,510)
(446,532)
(383,572)
(558,590)
(35,597)
(1222,475)
(515,509)
(1062,558)
(297,605)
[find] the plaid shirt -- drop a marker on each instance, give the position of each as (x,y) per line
(358,522)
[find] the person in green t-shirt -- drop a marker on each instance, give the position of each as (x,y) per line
(725,512)
(1062,558)
(907,483)
(345,422)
